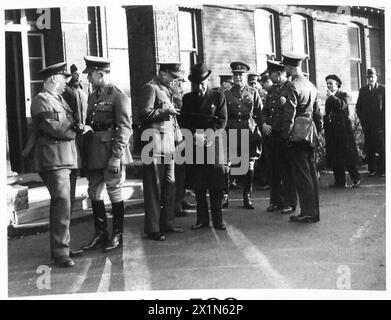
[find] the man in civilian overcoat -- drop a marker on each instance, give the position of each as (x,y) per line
(205,109)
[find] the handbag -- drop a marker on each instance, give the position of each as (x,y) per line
(304,129)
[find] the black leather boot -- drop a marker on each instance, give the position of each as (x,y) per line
(247,188)
(118,225)
(101,236)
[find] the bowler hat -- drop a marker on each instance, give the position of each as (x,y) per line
(58,68)
(334,77)
(293,59)
(96,63)
(174,68)
(371,72)
(199,73)
(238,66)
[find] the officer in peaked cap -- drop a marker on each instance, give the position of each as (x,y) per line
(158,116)
(244,111)
(56,157)
(299,100)
(107,134)
(282,190)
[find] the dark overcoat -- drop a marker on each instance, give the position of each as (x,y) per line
(370,109)
(207,112)
(341,148)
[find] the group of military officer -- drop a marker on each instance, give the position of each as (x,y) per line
(65,125)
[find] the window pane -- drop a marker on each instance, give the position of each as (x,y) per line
(305,36)
(186,63)
(264,36)
(36,87)
(35,67)
(298,36)
(34,43)
(354,42)
(12,15)
(186,34)
(354,75)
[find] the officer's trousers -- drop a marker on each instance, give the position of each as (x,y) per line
(282,163)
(99,178)
(159,196)
(305,176)
(59,184)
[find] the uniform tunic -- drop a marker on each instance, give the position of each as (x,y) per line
(108,114)
(242,103)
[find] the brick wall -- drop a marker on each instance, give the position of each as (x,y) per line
(228,36)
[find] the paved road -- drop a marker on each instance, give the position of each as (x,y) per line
(259,250)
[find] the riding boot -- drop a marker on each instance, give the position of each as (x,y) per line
(118,225)
(101,236)
(247,188)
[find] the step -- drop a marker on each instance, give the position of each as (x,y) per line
(39,210)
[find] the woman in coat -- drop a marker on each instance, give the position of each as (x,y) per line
(341,148)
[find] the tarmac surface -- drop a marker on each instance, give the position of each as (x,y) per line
(259,250)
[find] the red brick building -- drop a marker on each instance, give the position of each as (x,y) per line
(341,40)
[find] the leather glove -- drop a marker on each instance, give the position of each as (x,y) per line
(78,127)
(114,164)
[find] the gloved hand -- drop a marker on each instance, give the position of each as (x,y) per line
(114,164)
(78,127)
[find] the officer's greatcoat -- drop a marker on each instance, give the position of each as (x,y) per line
(55,146)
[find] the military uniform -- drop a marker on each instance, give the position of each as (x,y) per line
(300,97)
(108,114)
(56,158)
(159,174)
(207,111)
(283,191)
(244,103)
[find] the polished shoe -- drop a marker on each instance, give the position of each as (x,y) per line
(272,208)
(174,229)
(199,226)
(381,175)
(287,210)
(156,236)
(180,213)
(98,242)
(64,262)
(188,205)
(247,202)
(220,226)
(76,253)
(356,184)
(114,243)
(304,219)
